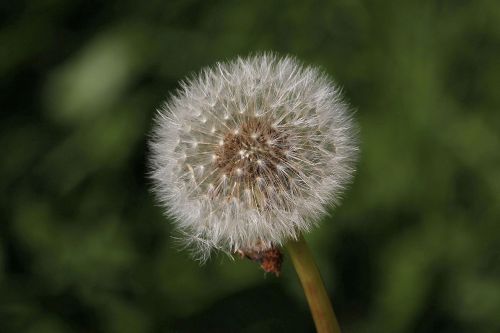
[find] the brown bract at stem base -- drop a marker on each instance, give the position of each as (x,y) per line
(270,260)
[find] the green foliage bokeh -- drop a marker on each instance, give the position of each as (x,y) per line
(415,246)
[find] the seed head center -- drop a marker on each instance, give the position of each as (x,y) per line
(253,150)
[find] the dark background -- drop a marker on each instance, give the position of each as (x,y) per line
(415,247)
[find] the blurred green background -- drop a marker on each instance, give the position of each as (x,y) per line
(415,247)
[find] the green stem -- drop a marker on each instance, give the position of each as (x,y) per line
(317,297)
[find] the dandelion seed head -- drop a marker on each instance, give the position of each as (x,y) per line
(252,151)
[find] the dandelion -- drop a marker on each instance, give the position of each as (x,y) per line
(249,155)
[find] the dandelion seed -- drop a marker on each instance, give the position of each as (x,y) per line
(270,172)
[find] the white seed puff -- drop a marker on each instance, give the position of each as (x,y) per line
(250,153)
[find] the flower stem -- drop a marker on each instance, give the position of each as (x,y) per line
(319,303)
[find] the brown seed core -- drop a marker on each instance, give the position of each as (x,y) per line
(256,149)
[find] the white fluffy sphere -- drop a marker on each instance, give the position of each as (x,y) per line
(251,152)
